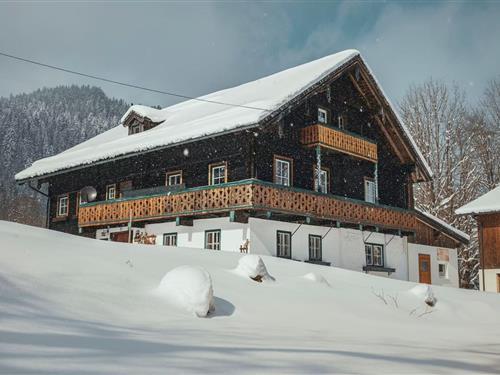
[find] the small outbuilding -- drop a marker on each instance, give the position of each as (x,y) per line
(486,210)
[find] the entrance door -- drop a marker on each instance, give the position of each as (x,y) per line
(498,282)
(119,236)
(424,268)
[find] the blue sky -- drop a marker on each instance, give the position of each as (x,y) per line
(198,47)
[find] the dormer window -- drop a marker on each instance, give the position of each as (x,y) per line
(322,116)
(135,128)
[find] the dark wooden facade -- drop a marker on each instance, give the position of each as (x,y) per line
(489,240)
(366,145)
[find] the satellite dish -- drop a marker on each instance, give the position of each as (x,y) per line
(88,194)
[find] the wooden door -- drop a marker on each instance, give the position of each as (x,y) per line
(498,282)
(119,236)
(424,268)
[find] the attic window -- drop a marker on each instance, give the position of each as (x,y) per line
(135,128)
(322,116)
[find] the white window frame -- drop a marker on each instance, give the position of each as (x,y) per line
(324,181)
(172,175)
(170,239)
(322,113)
(216,178)
(443,275)
(280,177)
(213,239)
(315,247)
(63,208)
(370,190)
(341,121)
(283,244)
(374,255)
(110,191)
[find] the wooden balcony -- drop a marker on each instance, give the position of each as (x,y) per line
(340,141)
(254,195)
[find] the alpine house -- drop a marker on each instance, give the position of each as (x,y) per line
(311,164)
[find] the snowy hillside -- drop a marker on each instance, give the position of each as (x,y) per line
(71,305)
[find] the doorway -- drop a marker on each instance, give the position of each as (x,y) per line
(424,268)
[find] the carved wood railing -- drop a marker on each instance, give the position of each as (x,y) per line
(240,195)
(339,140)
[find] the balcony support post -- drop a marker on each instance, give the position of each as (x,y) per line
(317,182)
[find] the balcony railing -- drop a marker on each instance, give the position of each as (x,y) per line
(339,140)
(244,195)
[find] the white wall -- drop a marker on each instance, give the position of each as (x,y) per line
(341,247)
(490,279)
(451,280)
(233,235)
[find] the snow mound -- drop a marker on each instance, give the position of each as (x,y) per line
(190,288)
(253,266)
(317,278)
(425,291)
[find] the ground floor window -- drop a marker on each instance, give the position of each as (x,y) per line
(315,247)
(374,255)
(212,239)
(443,270)
(283,244)
(170,239)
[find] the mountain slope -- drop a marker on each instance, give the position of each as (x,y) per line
(80,306)
(43,123)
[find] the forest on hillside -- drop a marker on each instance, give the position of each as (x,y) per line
(41,124)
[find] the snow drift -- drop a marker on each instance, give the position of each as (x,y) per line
(189,288)
(71,305)
(253,266)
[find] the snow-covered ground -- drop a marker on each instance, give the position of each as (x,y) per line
(71,305)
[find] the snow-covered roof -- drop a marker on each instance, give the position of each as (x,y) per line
(487,203)
(195,119)
(464,236)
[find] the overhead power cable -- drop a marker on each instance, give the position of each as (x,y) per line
(128,84)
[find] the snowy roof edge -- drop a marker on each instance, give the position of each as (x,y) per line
(486,203)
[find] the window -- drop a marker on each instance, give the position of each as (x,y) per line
(78,202)
(174,178)
(135,128)
(323,180)
(62,205)
(170,239)
(212,239)
(322,116)
(370,190)
(217,174)
(282,170)
(374,255)
(341,121)
(111,192)
(283,244)
(315,247)
(443,270)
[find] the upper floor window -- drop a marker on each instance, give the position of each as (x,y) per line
(283,244)
(111,192)
(374,255)
(62,205)
(323,181)
(315,248)
(212,239)
(217,174)
(322,116)
(370,190)
(341,121)
(282,170)
(174,178)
